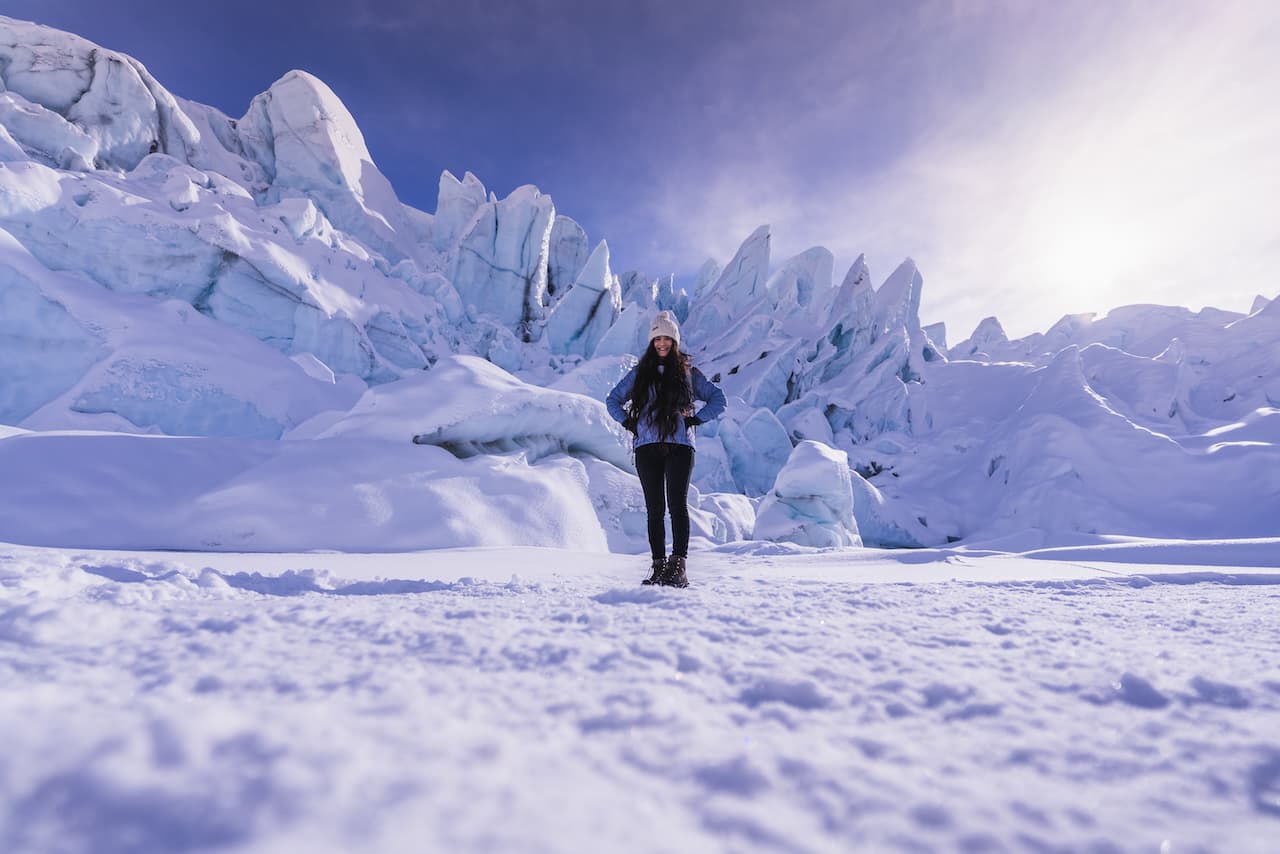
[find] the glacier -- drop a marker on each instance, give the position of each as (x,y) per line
(284,458)
(253,287)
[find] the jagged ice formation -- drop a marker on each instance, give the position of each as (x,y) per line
(167,269)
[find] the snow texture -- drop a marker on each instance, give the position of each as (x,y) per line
(404,613)
(949,700)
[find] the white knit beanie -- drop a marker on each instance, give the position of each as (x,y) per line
(665,324)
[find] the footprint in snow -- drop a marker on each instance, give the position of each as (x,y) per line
(1264,785)
(1133,690)
(802,694)
(1219,693)
(630,596)
(737,776)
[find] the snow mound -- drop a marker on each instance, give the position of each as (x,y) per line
(470,407)
(129,492)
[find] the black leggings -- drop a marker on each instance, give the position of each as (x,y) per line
(664,469)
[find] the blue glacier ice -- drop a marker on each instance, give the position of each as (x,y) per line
(166,268)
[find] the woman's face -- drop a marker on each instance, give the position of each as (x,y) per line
(662,344)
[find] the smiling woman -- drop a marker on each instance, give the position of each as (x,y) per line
(655,403)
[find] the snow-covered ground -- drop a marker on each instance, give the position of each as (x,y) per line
(1112,696)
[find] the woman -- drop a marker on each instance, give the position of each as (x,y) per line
(654,401)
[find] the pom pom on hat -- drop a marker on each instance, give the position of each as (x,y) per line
(665,324)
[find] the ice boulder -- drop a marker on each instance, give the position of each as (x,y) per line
(712,470)
(898,308)
(811,502)
(858,355)
(871,396)
(897,302)
(281,273)
(668,298)
(10,151)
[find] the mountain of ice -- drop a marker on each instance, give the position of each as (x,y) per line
(77,355)
(309,145)
(167,269)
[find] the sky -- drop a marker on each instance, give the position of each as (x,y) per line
(1035,159)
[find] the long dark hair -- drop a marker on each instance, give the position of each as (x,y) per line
(662,395)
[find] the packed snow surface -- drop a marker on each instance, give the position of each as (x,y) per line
(541,700)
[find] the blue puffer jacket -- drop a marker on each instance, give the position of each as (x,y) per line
(647,432)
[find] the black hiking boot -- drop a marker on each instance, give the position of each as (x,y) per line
(659,572)
(675,572)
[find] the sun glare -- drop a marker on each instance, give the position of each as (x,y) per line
(1083,247)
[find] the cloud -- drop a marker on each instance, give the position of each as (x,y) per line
(1069,161)
(1148,174)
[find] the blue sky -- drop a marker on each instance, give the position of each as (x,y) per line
(1034,158)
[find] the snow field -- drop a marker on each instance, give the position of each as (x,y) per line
(285,703)
(221,335)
